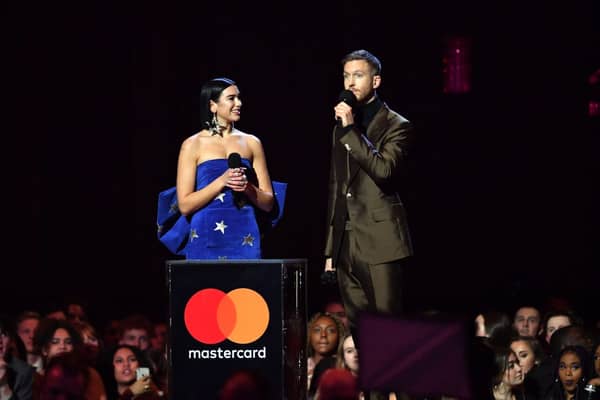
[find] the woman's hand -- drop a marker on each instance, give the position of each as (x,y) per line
(236,179)
(140,386)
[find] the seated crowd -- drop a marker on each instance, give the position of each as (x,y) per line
(527,353)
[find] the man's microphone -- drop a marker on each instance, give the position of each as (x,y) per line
(235,161)
(348,97)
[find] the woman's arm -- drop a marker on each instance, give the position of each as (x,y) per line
(188,198)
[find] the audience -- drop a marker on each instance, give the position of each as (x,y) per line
(524,357)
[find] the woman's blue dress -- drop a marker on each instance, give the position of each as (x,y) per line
(219,230)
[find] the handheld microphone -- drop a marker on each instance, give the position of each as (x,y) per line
(348,97)
(235,161)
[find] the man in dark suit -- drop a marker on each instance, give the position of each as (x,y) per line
(368,239)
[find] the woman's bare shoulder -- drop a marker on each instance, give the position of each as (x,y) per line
(195,139)
(248,136)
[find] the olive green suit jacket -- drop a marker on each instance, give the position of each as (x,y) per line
(363,188)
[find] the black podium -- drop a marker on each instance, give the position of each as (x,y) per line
(228,316)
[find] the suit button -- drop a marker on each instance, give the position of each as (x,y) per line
(348,195)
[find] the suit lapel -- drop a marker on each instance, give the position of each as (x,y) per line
(374,132)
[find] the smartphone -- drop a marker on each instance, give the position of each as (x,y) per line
(142,372)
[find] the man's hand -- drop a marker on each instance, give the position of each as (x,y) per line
(329,265)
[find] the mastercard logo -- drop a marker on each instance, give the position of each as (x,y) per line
(241,316)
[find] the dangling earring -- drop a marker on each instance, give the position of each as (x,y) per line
(213,125)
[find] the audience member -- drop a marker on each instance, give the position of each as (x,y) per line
(92,346)
(527,321)
(120,375)
(335,307)
(27,323)
(16,376)
(572,370)
(324,332)
(54,337)
(544,375)
(135,330)
(596,363)
(507,382)
(555,320)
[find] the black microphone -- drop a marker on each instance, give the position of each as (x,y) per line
(235,161)
(348,97)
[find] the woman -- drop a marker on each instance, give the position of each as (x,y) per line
(572,372)
(507,382)
(223,184)
(324,333)
(122,380)
(54,337)
(596,365)
(530,355)
(529,352)
(92,346)
(347,355)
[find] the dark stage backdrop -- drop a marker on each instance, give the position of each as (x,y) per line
(502,190)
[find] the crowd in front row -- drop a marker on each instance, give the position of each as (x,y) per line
(525,354)
(521,355)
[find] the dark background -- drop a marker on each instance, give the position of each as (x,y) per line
(502,195)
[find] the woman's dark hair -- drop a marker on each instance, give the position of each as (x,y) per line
(584,358)
(211,90)
(46,329)
(501,356)
(557,391)
(534,343)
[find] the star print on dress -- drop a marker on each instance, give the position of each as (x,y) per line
(221,196)
(248,240)
(193,235)
(173,208)
(220,227)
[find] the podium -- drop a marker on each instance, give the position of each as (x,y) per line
(227,316)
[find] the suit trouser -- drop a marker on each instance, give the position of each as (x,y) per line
(366,287)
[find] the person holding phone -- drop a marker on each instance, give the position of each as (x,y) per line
(129,375)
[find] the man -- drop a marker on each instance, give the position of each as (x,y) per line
(527,321)
(27,322)
(19,387)
(368,240)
